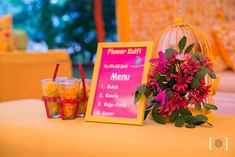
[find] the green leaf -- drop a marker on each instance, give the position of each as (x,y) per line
(197,56)
(138,93)
(168,52)
(137,96)
(189,119)
(209,106)
(157,117)
(169,93)
(201,73)
(155,93)
(197,107)
(185,112)
(189,48)
(142,89)
(179,122)
(201,119)
(211,74)
(146,113)
(182,43)
(196,120)
(157,77)
(195,83)
(174,116)
(147,93)
(190,126)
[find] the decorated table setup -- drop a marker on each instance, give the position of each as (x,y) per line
(145,99)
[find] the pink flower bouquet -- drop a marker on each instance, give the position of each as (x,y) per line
(176,82)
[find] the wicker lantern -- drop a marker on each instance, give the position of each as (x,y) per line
(170,37)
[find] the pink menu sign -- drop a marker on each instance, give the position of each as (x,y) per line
(120,72)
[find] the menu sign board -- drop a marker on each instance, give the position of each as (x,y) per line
(119,69)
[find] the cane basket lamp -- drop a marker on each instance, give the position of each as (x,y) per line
(170,36)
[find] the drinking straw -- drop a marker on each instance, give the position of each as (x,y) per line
(83,79)
(55,72)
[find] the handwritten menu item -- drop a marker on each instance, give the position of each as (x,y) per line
(119,69)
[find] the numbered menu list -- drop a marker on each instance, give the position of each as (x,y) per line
(120,73)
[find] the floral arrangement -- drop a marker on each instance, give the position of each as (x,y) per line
(176,83)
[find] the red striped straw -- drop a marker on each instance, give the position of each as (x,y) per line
(80,68)
(55,72)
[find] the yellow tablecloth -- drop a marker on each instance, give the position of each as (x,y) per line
(21,72)
(25,131)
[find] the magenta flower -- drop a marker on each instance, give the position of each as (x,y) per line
(206,61)
(191,67)
(162,66)
(200,94)
(172,60)
(175,103)
(182,81)
(161,96)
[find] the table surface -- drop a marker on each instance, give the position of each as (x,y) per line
(25,131)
